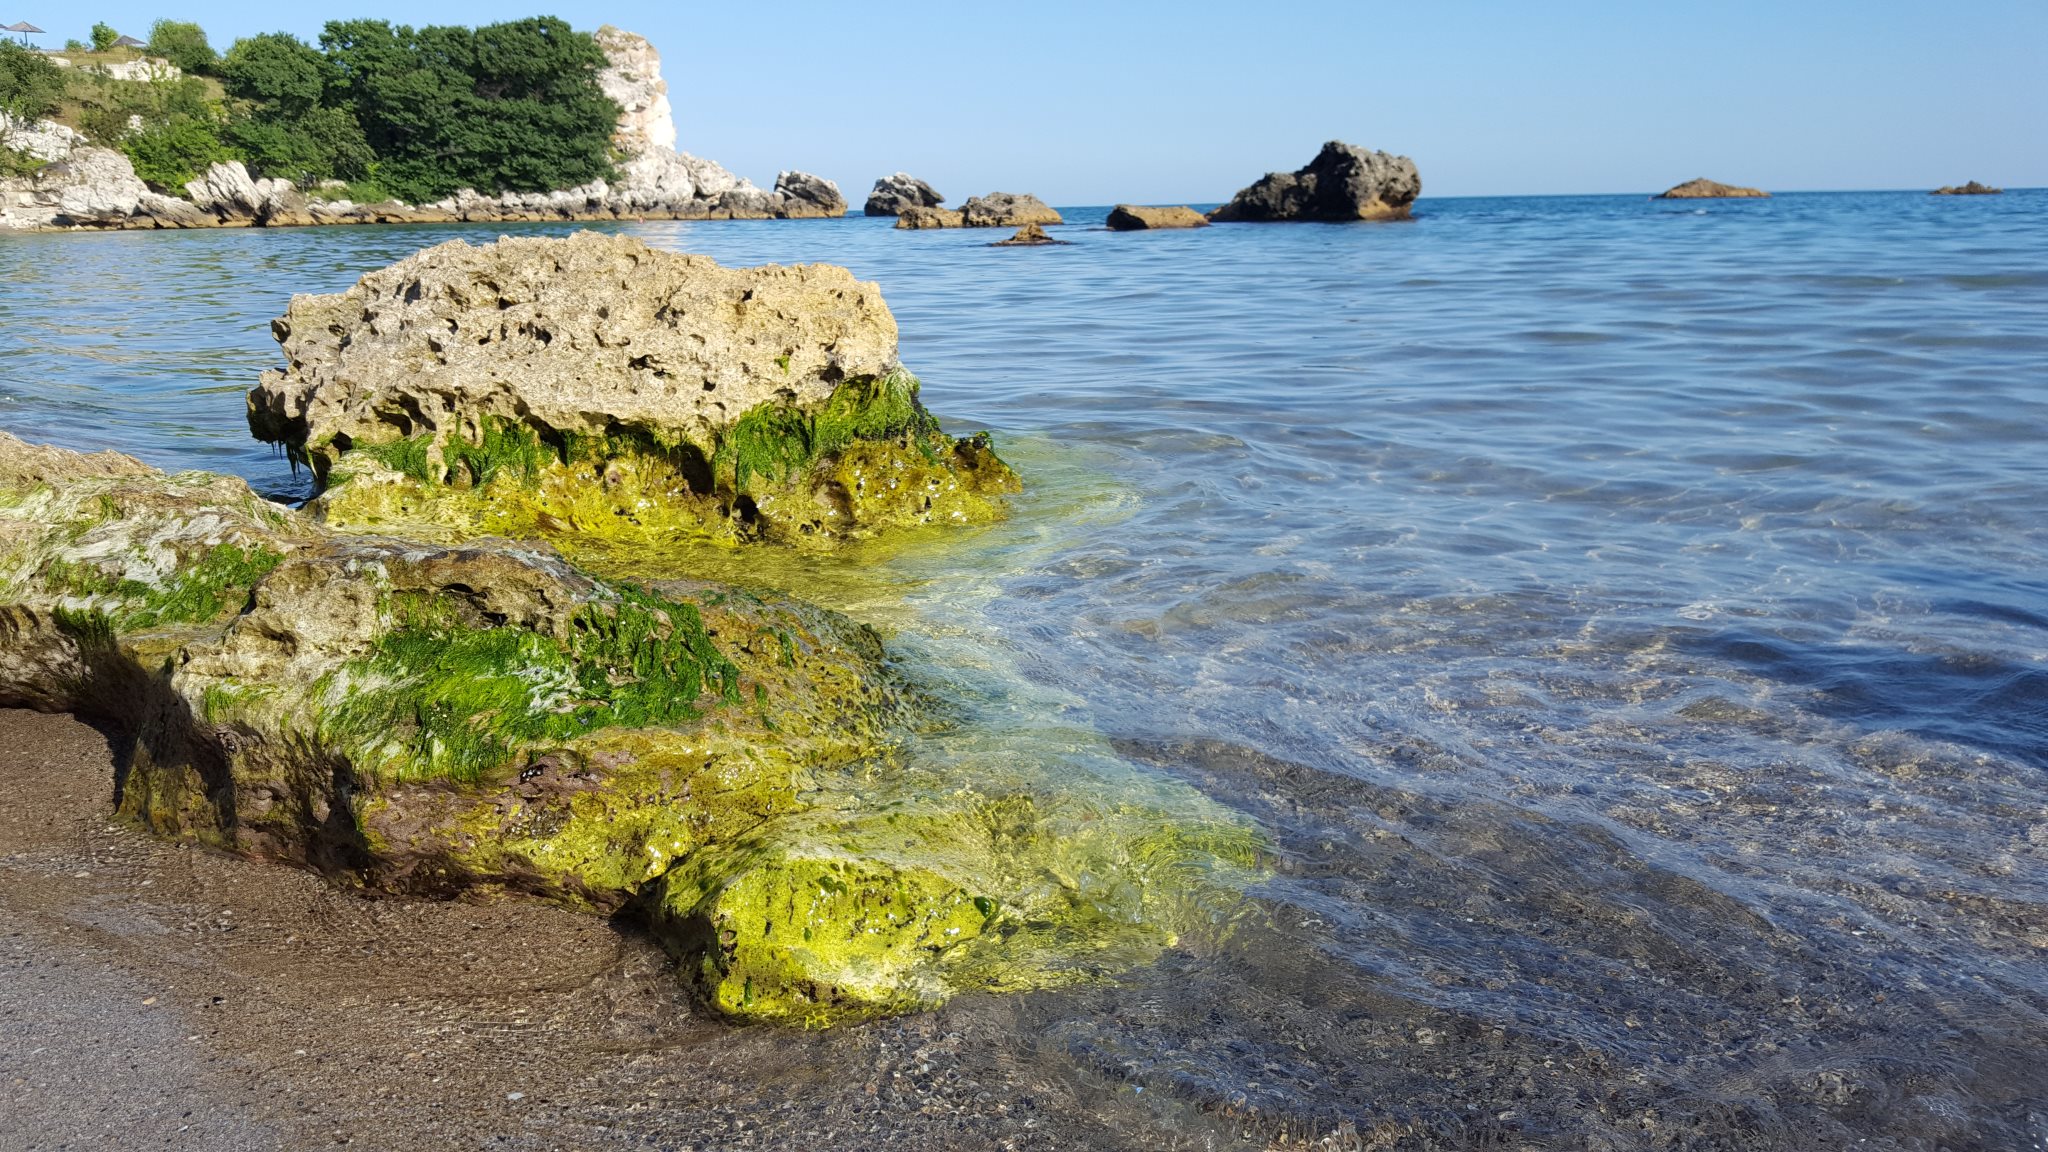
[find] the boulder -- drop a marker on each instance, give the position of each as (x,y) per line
(226,190)
(930,218)
(1343,182)
(1006,210)
(172,212)
(1029,236)
(1135,218)
(804,196)
(44,140)
(600,393)
(894,194)
(1971,189)
(89,186)
(1705,189)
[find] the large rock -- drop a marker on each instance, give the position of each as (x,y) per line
(1343,182)
(1705,189)
(90,186)
(1007,210)
(1136,218)
(805,196)
(930,218)
(44,140)
(595,391)
(1971,189)
(894,194)
(632,78)
(226,190)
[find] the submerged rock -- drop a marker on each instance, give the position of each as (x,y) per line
(1007,210)
(1971,189)
(894,194)
(1029,236)
(1705,189)
(1343,182)
(1135,218)
(595,391)
(930,218)
(487,718)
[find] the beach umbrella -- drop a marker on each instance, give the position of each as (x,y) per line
(26,29)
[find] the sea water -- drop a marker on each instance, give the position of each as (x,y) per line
(1626,620)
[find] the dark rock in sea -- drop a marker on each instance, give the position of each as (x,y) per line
(930,218)
(1705,189)
(1007,210)
(804,196)
(1343,182)
(1136,218)
(893,194)
(1029,236)
(1971,189)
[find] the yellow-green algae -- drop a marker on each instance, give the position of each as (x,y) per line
(870,459)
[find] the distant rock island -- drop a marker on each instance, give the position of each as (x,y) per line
(1137,218)
(1705,189)
(1971,189)
(1343,182)
(894,194)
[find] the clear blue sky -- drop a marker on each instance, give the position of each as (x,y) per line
(1185,101)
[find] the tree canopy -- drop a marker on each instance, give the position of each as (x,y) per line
(183,44)
(30,86)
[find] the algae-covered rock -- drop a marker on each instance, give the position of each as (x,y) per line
(488,718)
(593,387)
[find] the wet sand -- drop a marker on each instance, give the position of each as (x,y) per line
(159,995)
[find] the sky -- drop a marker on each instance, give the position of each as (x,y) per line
(1187,101)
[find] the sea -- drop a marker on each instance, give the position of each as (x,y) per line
(1626,622)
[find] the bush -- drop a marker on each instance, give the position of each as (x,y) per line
(108,107)
(183,44)
(30,86)
(168,154)
(103,37)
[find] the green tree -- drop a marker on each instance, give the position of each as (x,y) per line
(276,71)
(30,86)
(280,124)
(183,44)
(103,37)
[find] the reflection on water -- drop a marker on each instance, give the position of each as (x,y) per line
(1624,622)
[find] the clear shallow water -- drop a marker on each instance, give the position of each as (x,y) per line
(1628,620)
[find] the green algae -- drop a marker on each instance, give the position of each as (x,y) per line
(443,698)
(868,459)
(219,580)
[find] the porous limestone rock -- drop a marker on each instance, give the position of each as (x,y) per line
(930,218)
(1971,189)
(1343,182)
(1705,189)
(1136,218)
(594,389)
(893,194)
(1006,210)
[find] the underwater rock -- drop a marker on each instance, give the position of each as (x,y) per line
(1343,182)
(915,217)
(1971,189)
(1136,218)
(489,719)
(1007,210)
(592,389)
(1705,189)
(893,194)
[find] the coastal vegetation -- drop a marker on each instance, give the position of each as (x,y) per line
(415,113)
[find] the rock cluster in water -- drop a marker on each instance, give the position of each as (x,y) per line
(437,709)
(1343,182)
(1971,189)
(1137,218)
(1705,189)
(995,210)
(893,195)
(91,187)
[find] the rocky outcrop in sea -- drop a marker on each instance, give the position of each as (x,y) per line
(893,195)
(1705,189)
(1343,182)
(1971,189)
(1136,218)
(84,186)
(408,687)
